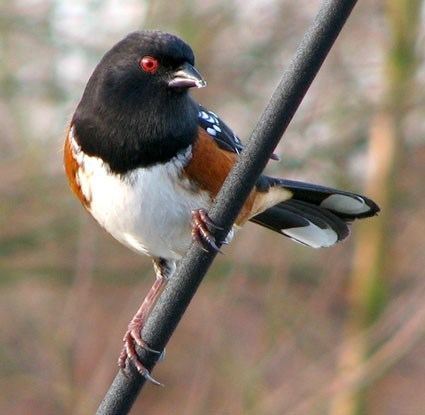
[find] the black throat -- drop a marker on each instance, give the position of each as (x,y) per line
(134,130)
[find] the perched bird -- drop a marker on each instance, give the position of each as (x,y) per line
(147,161)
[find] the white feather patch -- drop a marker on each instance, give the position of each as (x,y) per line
(211,131)
(147,209)
(312,235)
(351,205)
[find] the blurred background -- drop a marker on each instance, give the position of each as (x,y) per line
(276,328)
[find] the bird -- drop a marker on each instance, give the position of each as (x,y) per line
(147,161)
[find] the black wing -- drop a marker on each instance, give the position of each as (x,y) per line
(219,131)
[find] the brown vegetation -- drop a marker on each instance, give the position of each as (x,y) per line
(268,330)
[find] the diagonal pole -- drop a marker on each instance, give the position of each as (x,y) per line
(282,106)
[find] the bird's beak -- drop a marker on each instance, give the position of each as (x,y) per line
(186,77)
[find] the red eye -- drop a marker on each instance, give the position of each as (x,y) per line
(149,64)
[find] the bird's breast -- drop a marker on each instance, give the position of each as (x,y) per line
(146,209)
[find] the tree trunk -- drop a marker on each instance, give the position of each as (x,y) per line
(368,286)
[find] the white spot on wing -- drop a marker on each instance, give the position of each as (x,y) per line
(351,205)
(312,235)
(211,131)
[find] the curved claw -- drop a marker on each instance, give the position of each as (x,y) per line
(206,219)
(162,356)
(201,224)
(135,334)
(149,377)
(129,354)
(149,349)
(197,238)
(213,245)
(141,369)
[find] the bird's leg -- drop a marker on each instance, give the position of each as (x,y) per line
(201,230)
(163,270)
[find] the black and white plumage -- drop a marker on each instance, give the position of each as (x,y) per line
(147,162)
(315,216)
(216,128)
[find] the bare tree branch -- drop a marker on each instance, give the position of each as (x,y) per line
(283,104)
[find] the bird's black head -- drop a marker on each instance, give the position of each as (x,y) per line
(136,110)
(145,62)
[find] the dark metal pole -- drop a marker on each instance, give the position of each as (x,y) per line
(283,104)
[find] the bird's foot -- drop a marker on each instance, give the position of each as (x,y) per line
(129,354)
(201,230)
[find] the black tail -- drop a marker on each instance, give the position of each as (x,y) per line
(316,216)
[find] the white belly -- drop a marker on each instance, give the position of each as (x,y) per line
(148,209)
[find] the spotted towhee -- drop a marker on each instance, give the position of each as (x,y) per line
(147,161)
